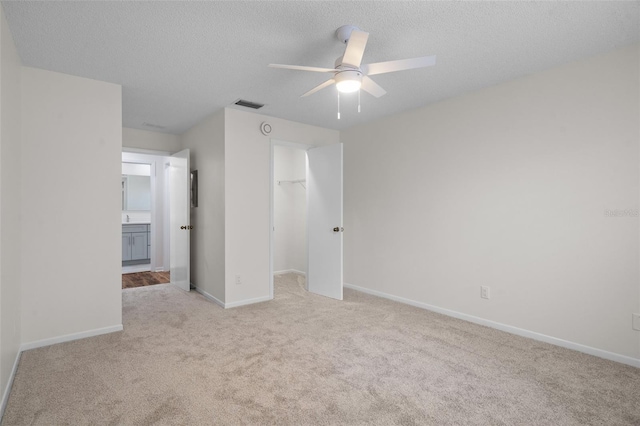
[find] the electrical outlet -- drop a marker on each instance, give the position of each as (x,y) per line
(484,292)
(636,322)
(238,280)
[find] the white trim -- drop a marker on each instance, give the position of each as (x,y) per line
(7,390)
(160,269)
(145,151)
(70,337)
(289,271)
(634,362)
(247,302)
(302,146)
(132,269)
(232,304)
(209,296)
(271,215)
(152,160)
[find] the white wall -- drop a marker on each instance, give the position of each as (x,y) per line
(136,169)
(290,239)
(207,149)
(507,187)
(247,204)
(10,217)
(71,127)
(299,219)
(147,140)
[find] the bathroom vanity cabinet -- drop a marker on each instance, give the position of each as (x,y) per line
(135,244)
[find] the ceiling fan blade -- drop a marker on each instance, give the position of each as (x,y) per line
(302,68)
(401,65)
(372,87)
(355,48)
(319,87)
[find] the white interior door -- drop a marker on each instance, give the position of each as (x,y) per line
(324,220)
(179,223)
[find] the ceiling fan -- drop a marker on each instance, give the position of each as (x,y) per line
(349,75)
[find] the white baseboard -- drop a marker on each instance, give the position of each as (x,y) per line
(48,342)
(635,362)
(232,304)
(70,337)
(209,297)
(247,302)
(132,269)
(159,269)
(7,389)
(289,271)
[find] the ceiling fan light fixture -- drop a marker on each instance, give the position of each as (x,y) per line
(348,86)
(348,81)
(350,74)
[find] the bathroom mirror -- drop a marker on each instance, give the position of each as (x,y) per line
(136,187)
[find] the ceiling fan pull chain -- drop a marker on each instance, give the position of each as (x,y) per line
(338,105)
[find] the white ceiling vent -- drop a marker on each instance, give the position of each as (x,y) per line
(248,104)
(153,126)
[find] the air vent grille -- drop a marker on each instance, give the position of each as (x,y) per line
(248,104)
(153,126)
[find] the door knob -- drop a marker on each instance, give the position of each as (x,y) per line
(191,227)
(183,227)
(336,229)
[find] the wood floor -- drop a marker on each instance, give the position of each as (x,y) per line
(141,279)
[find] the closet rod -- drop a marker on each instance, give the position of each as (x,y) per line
(300,181)
(292,181)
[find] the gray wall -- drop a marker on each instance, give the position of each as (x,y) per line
(10,207)
(206,144)
(71,261)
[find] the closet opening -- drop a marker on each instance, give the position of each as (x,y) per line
(289,217)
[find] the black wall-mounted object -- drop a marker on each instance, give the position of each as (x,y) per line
(194,188)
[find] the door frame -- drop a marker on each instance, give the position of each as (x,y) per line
(177,261)
(140,158)
(273,144)
(157,159)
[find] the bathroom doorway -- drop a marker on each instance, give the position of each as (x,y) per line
(144,220)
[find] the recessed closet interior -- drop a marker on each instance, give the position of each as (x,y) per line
(289,210)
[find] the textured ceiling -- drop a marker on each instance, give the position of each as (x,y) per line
(179,61)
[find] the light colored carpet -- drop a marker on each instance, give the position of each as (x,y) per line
(304,359)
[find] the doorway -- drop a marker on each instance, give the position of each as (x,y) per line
(168,216)
(289,215)
(143,221)
(323,243)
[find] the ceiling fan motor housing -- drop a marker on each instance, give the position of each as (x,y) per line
(344,32)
